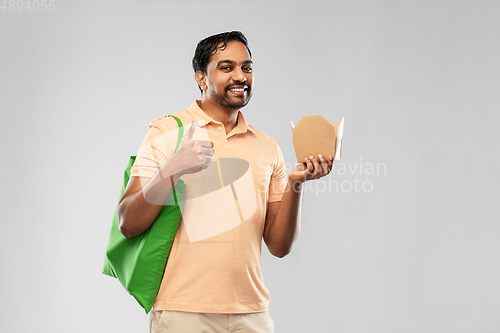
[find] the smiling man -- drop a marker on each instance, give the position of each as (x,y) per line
(229,89)
(237,194)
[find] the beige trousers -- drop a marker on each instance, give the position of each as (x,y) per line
(189,322)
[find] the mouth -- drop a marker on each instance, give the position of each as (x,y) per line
(238,90)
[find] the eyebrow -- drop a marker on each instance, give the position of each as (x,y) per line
(232,62)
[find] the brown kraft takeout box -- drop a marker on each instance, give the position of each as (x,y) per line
(314,135)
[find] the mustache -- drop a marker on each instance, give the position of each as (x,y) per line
(240,84)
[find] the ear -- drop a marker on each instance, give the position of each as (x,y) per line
(201,79)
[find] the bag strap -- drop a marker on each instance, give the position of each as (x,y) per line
(181,131)
(179,138)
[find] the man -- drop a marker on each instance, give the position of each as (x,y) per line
(212,282)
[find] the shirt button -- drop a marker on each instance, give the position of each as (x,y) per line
(220,128)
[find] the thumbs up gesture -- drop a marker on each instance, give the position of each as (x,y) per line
(193,155)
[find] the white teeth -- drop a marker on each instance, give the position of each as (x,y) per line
(237,89)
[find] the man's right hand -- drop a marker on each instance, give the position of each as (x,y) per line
(144,197)
(193,155)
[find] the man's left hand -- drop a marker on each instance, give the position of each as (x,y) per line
(312,168)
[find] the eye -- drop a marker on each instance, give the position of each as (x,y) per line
(225,68)
(247,69)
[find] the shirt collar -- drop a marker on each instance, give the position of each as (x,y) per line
(202,119)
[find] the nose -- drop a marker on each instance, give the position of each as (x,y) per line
(239,75)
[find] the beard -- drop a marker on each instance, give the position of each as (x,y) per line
(231,102)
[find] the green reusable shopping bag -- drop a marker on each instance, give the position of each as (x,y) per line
(139,262)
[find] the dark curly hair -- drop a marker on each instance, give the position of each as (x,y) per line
(207,47)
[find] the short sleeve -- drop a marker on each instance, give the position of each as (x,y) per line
(156,148)
(278,178)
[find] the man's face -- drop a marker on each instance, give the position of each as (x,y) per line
(229,76)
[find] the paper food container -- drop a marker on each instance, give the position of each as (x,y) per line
(314,135)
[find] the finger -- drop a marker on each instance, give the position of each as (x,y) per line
(309,166)
(189,134)
(330,163)
(208,159)
(208,151)
(323,164)
(205,143)
(317,168)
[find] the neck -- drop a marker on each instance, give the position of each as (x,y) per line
(227,116)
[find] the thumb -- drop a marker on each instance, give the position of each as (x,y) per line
(190,132)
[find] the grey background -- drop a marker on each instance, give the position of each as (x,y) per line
(418,84)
